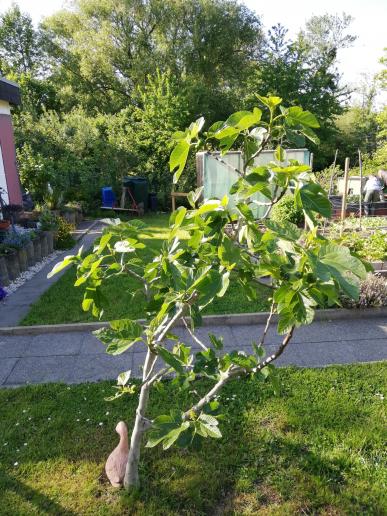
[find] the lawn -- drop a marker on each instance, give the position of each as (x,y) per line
(317,448)
(61,303)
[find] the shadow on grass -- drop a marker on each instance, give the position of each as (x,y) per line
(298,453)
(27,494)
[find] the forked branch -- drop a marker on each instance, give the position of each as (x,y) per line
(234,371)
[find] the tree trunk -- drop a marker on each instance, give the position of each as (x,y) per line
(141,424)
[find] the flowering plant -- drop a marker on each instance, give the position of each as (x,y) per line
(3,293)
(16,239)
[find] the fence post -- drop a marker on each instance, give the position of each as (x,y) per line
(344,201)
(361,187)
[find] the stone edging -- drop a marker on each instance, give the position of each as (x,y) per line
(78,236)
(208,320)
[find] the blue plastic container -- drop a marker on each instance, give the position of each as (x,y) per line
(108,197)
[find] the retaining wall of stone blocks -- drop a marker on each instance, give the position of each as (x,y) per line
(13,264)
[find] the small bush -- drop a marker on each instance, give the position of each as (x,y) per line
(48,221)
(373,293)
(63,237)
(5,250)
(285,211)
(323,177)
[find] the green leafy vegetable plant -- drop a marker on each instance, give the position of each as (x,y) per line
(205,244)
(286,211)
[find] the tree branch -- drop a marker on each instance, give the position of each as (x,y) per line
(268,321)
(257,153)
(158,375)
(237,371)
(220,160)
(207,398)
(278,353)
(169,325)
(277,199)
(194,337)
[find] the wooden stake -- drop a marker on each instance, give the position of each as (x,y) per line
(344,203)
(333,173)
(361,187)
(173,202)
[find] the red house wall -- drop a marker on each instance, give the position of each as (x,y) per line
(9,158)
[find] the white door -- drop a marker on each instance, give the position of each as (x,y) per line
(3,181)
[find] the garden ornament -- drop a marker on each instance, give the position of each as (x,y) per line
(116,463)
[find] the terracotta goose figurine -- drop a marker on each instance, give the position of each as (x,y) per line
(116,463)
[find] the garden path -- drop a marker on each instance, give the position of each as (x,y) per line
(17,305)
(75,357)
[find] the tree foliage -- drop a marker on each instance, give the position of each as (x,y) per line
(104,49)
(303,72)
(147,68)
(19,42)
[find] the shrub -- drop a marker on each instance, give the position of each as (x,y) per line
(323,177)
(48,221)
(286,211)
(373,292)
(64,238)
(5,249)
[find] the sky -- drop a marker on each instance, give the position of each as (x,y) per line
(370,21)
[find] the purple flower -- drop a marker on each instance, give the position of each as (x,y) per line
(3,293)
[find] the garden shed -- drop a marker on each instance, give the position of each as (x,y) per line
(9,177)
(217,173)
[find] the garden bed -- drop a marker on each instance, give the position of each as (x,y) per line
(369,241)
(317,448)
(20,251)
(31,243)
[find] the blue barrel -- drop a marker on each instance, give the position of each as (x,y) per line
(108,197)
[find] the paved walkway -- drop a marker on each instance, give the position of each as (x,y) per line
(17,305)
(75,357)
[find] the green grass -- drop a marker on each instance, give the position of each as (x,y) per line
(318,448)
(61,303)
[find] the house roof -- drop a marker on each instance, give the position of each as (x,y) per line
(9,91)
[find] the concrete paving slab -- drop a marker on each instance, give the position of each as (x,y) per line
(92,346)
(318,354)
(245,335)
(78,356)
(92,368)
(10,347)
(53,344)
(138,362)
(41,370)
(377,349)
(336,331)
(328,331)
(6,367)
